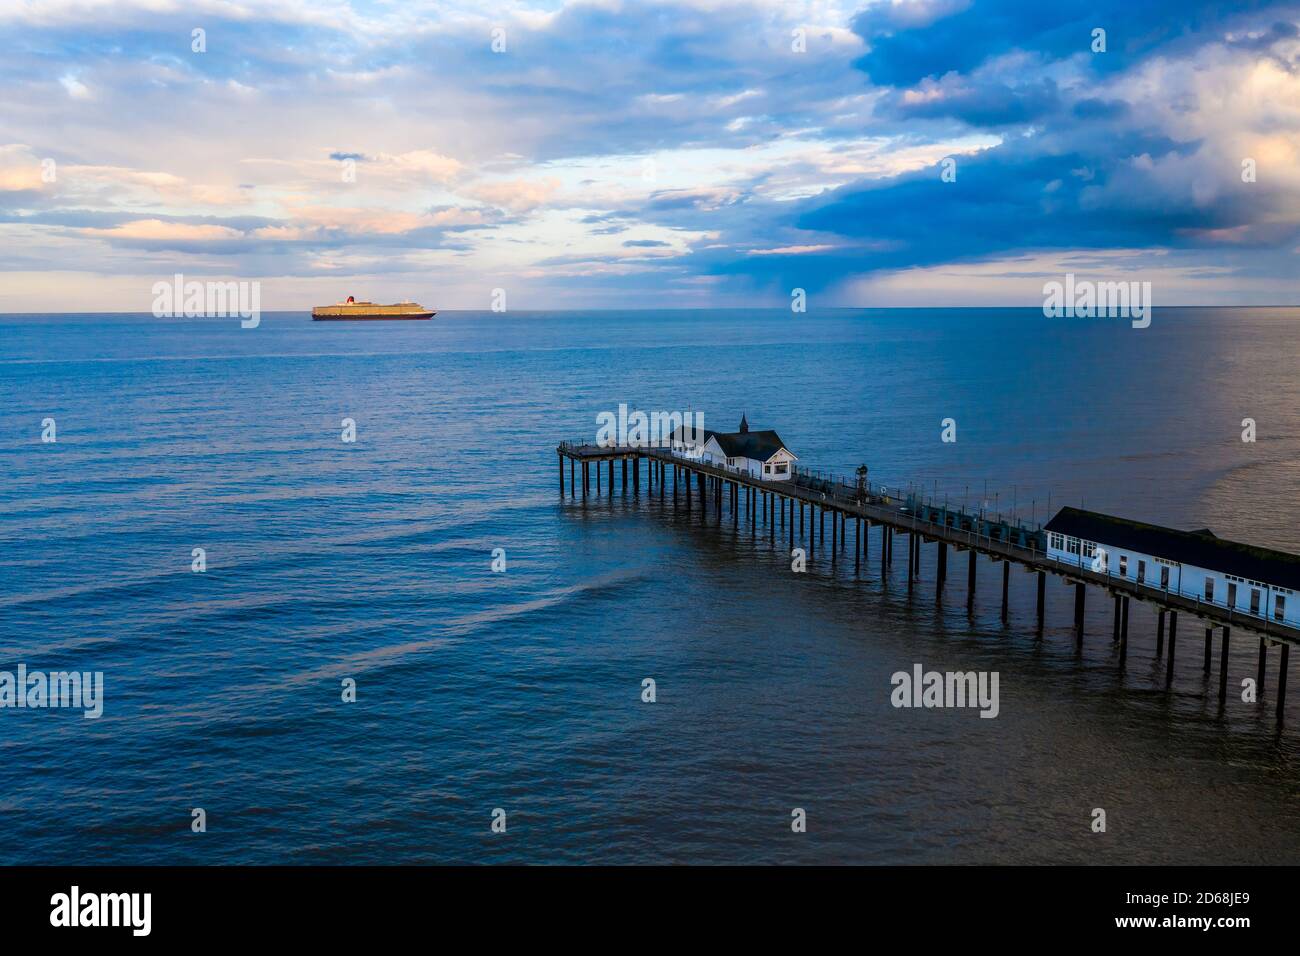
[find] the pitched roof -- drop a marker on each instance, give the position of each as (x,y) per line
(685,433)
(1199,548)
(749,444)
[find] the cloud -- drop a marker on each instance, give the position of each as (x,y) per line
(1144,156)
(975,100)
(76,89)
(957,37)
(20,169)
(20,178)
(160,235)
(416,164)
(516,195)
(157,229)
(151,186)
(791,250)
(308,221)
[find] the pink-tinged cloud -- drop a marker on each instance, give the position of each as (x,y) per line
(308,222)
(516,195)
(157,229)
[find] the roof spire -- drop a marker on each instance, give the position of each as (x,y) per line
(744,425)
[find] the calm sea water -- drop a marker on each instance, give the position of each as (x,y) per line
(475,690)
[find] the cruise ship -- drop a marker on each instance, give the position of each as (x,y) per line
(352,310)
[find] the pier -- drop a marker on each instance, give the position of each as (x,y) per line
(798,509)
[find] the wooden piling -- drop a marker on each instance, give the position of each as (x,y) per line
(970,580)
(1173,642)
(1042,599)
(1078,613)
(1160,633)
(911,561)
(1281,681)
(1209,646)
(1006,585)
(1123,636)
(1223,665)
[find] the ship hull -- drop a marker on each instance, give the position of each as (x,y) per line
(373,317)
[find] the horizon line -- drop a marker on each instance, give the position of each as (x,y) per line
(680,308)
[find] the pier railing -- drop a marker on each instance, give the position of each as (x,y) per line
(1193,602)
(876,501)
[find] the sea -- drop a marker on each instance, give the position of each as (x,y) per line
(318,650)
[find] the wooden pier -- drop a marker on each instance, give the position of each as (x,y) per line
(723,493)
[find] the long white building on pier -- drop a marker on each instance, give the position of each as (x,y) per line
(1193,564)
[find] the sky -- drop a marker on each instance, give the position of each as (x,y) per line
(608,154)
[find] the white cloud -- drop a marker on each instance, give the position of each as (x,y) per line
(76,89)
(791,250)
